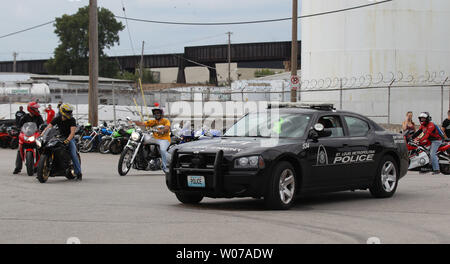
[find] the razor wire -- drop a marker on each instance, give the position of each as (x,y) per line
(380,80)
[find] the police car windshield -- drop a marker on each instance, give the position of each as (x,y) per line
(270,125)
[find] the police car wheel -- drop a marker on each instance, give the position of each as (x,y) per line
(282,187)
(189,198)
(386,181)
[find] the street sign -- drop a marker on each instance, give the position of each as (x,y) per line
(295,82)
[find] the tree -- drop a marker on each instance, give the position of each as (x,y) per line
(72,52)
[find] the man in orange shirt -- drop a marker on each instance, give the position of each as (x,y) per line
(50,114)
(163,134)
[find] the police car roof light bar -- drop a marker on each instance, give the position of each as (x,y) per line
(317,106)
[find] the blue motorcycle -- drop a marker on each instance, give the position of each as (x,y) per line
(92,141)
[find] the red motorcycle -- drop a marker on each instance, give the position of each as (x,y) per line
(27,146)
(420,159)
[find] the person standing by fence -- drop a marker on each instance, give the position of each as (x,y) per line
(446,126)
(408,126)
(50,114)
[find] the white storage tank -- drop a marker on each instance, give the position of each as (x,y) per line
(399,39)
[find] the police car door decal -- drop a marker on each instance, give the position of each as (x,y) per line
(354,157)
(322,156)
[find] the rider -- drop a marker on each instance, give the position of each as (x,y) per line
(67,126)
(430,135)
(32,116)
(163,134)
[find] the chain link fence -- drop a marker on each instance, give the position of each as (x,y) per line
(384,98)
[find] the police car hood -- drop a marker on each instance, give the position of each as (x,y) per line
(232,145)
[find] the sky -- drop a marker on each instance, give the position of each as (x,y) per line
(40,43)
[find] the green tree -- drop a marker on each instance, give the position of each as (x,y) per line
(72,52)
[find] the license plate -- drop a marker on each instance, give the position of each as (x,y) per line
(196,181)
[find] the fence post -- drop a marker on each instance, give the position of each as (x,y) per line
(340,93)
(389,101)
(442,100)
(10,110)
(76,102)
(114,103)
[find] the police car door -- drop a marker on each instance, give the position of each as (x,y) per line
(360,159)
(324,153)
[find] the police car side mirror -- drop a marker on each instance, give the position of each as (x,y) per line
(313,135)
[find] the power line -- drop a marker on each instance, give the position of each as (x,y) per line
(210,24)
(27,29)
(254,21)
(128,27)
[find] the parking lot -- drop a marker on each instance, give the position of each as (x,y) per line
(138,208)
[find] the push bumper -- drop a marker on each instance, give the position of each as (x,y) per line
(220,181)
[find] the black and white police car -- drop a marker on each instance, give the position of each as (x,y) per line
(289,150)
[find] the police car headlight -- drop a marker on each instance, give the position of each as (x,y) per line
(135,136)
(252,162)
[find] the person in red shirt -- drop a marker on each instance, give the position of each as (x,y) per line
(50,114)
(428,134)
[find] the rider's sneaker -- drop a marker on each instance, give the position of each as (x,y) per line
(16,171)
(79,177)
(436,173)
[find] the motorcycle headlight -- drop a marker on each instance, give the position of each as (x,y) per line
(32,138)
(135,136)
(253,162)
(38,143)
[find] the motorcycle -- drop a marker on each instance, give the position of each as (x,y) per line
(420,159)
(141,152)
(105,139)
(27,147)
(90,142)
(55,157)
(14,135)
(119,140)
(5,138)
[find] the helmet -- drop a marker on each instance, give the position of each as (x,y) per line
(33,108)
(424,118)
(66,110)
(156,109)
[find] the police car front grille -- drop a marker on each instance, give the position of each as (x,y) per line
(198,161)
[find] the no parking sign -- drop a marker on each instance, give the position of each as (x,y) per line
(295,82)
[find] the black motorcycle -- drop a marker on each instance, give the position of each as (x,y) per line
(55,157)
(142,153)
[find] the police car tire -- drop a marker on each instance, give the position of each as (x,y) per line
(272,198)
(189,198)
(377,189)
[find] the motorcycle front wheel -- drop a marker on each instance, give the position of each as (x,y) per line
(124,165)
(104,146)
(43,170)
(29,162)
(86,145)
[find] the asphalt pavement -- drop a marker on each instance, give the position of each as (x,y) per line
(138,208)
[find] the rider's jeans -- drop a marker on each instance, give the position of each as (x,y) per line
(434,158)
(163,146)
(73,154)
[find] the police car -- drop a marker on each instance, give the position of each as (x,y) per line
(289,150)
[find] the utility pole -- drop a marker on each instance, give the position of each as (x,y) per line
(294,53)
(141,66)
(229,57)
(93,63)
(15,54)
